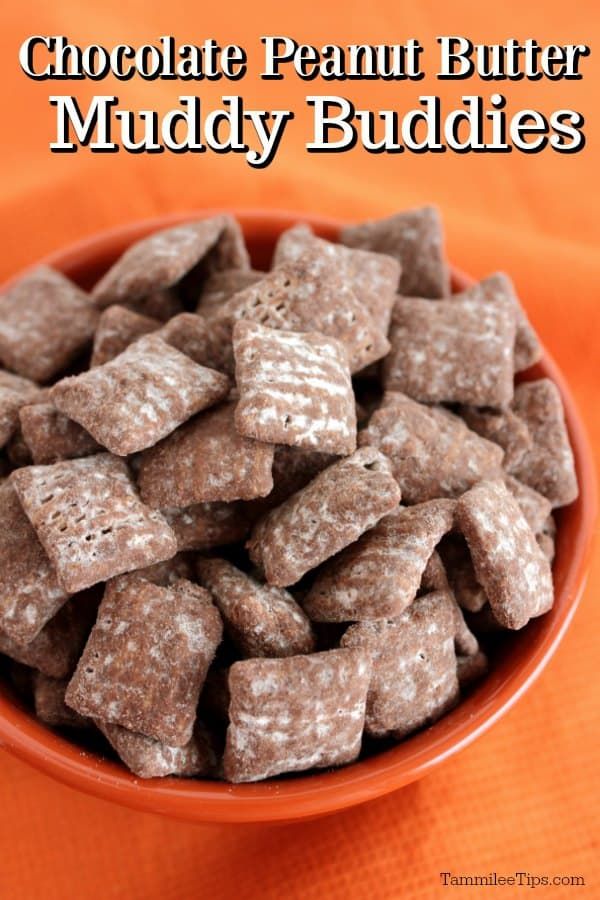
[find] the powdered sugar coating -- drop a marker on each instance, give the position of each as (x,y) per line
(311,295)
(454,351)
(51,436)
(45,321)
(379,576)
(503,427)
(373,277)
(148,758)
(415,239)
(15,392)
(118,327)
(206,460)
(30,594)
(288,715)
(432,452)
(414,679)
(262,620)
(139,397)
(162,259)
(55,650)
(318,521)
(206,525)
(499,287)
(548,465)
(90,519)
(507,560)
(294,389)
(146,659)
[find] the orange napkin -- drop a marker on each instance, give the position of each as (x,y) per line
(525,796)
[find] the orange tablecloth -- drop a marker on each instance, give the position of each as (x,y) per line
(525,796)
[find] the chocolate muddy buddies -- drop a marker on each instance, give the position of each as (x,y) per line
(244,512)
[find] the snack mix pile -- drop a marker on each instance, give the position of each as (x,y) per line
(254,522)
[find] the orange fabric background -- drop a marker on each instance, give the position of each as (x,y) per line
(525,796)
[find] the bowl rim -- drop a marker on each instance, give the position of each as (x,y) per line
(307,796)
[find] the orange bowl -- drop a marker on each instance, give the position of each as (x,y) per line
(523,656)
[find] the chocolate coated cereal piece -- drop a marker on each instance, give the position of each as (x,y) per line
(471,668)
(52,436)
(197,338)
(118,327)
(502,427)
(207,525)
(148,758)
(372,276)
(414,678)
(507,560)
(434,576)
(45,322)
(311,294)
(262,620)
(293,468)
(165,574)
(160,305)
(50,706)
(547,545)
(484,622)
(534,506)
(146,659)
(30,594)
(415,239)
(221,286)
(432,452)
(454,351)
(206,460)
(548,466)
(458,564)
(331,512)
(15,392)
(499,287)
(379,576)
(465,642)
(17,451)
(294,389)
(162,259)
(288,715)
(139,397)
(91,521)
(547,538)
(57,647)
